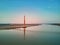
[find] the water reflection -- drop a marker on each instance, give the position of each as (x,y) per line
(45,35)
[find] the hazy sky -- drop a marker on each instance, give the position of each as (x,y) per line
(12,11)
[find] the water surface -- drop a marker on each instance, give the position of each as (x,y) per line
(40,35)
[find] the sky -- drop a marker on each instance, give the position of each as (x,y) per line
(36,11)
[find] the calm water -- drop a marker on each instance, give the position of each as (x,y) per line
(40,35)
